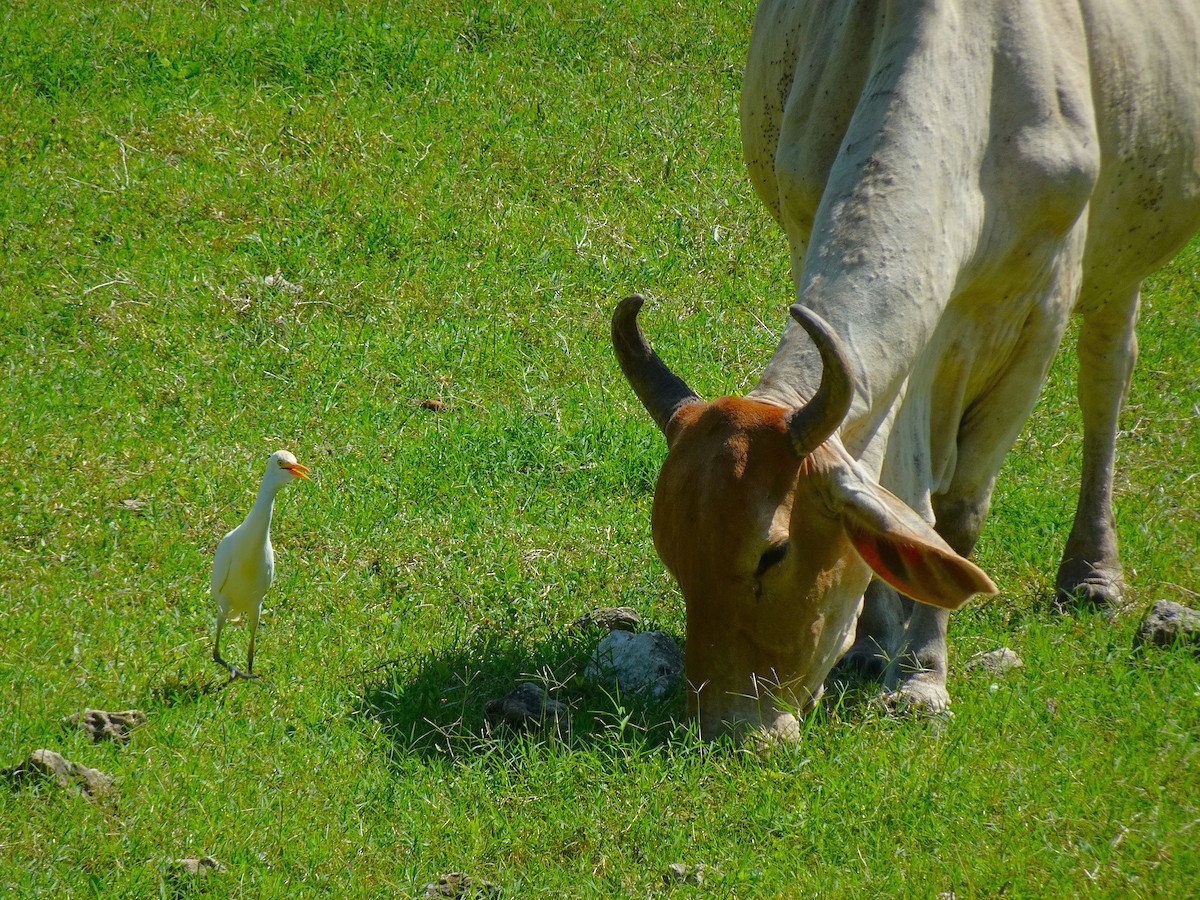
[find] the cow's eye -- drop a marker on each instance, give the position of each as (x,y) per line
(772,555)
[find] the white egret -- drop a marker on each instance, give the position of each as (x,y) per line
(244,565)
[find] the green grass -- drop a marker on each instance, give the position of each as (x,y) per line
(460,193)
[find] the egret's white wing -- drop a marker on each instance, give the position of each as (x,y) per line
(222,561)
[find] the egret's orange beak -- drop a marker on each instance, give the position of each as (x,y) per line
(298,470)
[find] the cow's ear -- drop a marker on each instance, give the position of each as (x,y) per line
(903,550)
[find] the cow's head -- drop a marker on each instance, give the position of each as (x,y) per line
(773,532)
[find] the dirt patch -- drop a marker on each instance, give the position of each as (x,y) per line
(47,766)
(106,726)
(462,887)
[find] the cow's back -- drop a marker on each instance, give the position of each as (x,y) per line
(1127,86)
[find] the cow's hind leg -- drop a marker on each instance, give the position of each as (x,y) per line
(1090,572)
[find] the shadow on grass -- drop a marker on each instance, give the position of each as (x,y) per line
(178,689)
(433,704)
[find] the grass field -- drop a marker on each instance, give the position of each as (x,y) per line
(227,228)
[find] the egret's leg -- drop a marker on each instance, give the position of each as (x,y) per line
(233,671)
(249,673)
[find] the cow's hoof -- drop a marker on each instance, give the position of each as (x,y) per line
(920,694)
(775,729)
(1084,586)
(782,731)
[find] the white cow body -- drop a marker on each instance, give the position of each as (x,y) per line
(954,187)
(955,179)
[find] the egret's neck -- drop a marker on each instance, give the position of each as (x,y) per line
(259,518)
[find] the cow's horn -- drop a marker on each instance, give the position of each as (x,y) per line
(661,391)
(816,420)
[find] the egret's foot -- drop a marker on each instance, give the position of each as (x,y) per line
(1084,585)
(234,672)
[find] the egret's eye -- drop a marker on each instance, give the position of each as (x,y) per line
(772,555)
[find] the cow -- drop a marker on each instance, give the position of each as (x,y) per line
(955,180)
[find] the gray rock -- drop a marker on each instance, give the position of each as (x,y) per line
(996,662)
(277,281)
(462,887)
(1169,623)
(101,725)
(649,663)
(46,765)
(190,877)
(199,867)
(525,707)
(682,873)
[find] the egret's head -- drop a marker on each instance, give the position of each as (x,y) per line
(283,460)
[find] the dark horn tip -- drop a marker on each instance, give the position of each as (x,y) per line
(625,328)
(661,392)
(628,307)
(813,423)
(805,317)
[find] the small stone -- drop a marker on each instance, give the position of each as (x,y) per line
(462,887)
(135,506)
(996,662)
(682,873)
(527,706)
(1168,624)
(276,280)
(639,664)
(200,867)
(609,618)
(101,725)
(46,765)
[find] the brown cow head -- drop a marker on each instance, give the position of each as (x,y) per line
(773,532)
